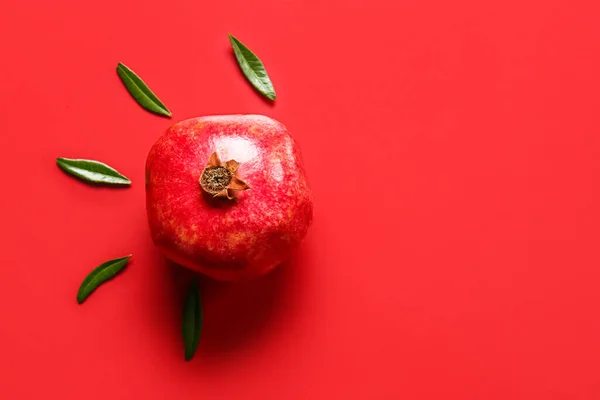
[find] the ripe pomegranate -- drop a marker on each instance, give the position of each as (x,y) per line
(227,195)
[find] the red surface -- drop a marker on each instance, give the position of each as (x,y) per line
(454,152)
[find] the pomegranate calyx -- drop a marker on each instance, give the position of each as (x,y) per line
(219,179)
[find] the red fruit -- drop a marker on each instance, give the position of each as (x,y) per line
(227,195)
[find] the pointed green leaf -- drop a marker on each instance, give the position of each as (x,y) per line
(141,92)
(192,321)
(100,275)
(92,171)
(252,68)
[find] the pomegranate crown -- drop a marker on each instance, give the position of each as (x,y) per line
(219,179)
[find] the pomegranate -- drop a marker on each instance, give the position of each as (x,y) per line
(227,195)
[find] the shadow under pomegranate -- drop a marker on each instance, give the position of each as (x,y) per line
(234,315)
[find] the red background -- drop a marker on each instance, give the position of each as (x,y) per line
(454,152)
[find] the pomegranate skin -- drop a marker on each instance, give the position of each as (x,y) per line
(227,239)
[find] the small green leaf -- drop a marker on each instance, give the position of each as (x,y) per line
(141,92)
(92,171)
(192,321)
(252,68)
(100,275)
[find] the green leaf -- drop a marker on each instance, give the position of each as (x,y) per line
(100,275)
(92,171)
(141,92)
(252,68)
(192,321)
